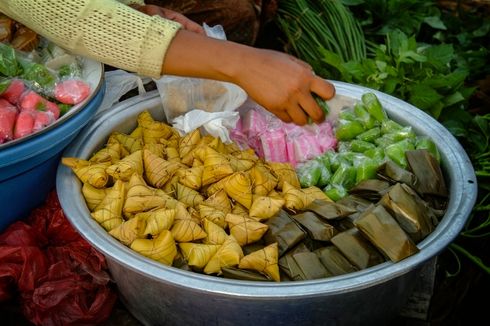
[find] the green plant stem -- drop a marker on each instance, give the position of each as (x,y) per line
(467,254)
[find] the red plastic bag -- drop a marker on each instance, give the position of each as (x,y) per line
(56,275)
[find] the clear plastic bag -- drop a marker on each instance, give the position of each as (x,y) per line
(118,83)
(183,96)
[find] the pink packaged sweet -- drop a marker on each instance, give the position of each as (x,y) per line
(277,141)
(273,145)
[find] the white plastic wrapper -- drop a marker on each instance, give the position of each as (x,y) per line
(118,83)
(191,103)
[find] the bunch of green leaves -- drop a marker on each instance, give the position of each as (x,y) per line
(310,26)
(473,131)
(469,34)
(379,17)
(422,74)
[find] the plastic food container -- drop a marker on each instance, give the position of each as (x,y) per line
(28,165)
(156,294)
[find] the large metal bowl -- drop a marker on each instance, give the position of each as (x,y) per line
(160,295)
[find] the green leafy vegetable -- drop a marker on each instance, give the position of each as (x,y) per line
(9,65)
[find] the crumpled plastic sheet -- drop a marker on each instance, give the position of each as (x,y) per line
(56,276)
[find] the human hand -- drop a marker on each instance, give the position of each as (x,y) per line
(279,82)
(186,23)
(283,85)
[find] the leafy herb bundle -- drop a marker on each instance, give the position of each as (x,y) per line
(311,26)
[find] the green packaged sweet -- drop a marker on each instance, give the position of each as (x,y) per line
(360,146)
(308,173)
(347,113)
(388,126)
(370,135)
(404,133)
(377,154)
(386,140)
(335,192)
(373,106)
(366,169)
(347,130)
(345,176)
(364,117)
(325,173)
(396,152)
(424,142)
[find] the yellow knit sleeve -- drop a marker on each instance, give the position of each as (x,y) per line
(132,2)
(104,30)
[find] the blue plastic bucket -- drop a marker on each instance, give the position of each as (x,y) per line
(28,170)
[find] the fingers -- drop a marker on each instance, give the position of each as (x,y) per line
(323,88)
(196,28)
(311,107)
(284,116)
(188,24)
(298,116)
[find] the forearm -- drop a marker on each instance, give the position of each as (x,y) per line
(107,31)
(195,55)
